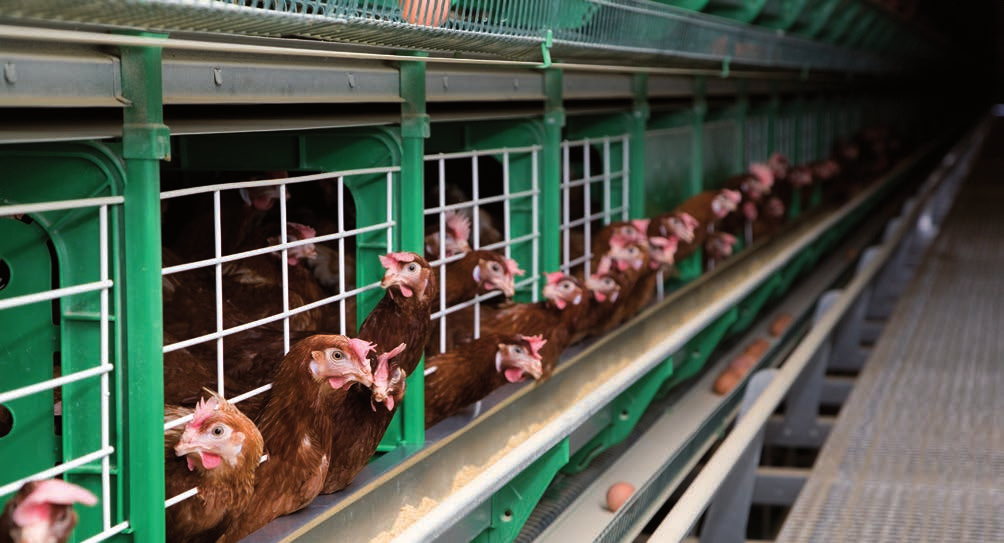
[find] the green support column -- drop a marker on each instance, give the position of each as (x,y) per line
(639,119)
(550,182)
(410,231)
(145,141)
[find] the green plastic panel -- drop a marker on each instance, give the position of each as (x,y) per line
(624,413)
(511,506)
(59,249)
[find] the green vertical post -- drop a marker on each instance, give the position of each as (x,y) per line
(145,141)
(550,182)
(700,111)
(639,119)
(410,229)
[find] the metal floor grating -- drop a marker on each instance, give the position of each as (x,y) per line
(918,451)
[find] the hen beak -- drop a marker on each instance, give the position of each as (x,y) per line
(507,286)
(526,365)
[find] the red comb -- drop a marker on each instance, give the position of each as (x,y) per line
(535,342)
(302,231)
(554,277)
(388,262)
(203,411)
(641,225)
(513,267)
(763,173)
(34,508)
(361,347)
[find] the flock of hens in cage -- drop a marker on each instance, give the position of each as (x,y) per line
(333,396)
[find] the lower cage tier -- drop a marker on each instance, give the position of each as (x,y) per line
(260,250)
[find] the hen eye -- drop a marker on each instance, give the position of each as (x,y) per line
(517,350)
(566,285)
(412,267)
(494,267)
(218,430)
(337,355)
(607,282)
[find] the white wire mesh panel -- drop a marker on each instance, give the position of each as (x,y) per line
(594,192)
(721,150)
(252,266)
(757,129)
(501,211)
(83,375)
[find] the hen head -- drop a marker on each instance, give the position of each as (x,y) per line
(662,251)
(778,165)
(298,232)
(342,363)
(628,253)
(825,170)
(458,231)
(800,176)
(42,511)
(750,211)
(408,274)
(725,202)
(719,245)
(262,198)
(496,272)
(761,180)
(388,380)
(519,358)
(562,290)
(604,287)
(774,208)
(681,225)
(219,433)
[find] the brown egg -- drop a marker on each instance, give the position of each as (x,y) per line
(425,12)
(617,494)
(742,364)
(780,324)
(726,381)
(757,348)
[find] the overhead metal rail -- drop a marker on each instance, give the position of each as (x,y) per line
(638,32)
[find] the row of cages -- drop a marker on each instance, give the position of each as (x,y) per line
(266,238)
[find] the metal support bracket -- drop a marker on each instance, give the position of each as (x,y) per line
(725,521)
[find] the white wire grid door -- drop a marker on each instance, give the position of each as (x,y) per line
(304,276)
(595,180)
(82,381)
(497,192)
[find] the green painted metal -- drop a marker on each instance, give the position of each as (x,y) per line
(690,360)
(550,179)
(511,506)
(695,5)
(623,413)
(844,18)
(744,11)
(145,141)
(668,141)
(749,308)
(814,17)
(781,14)
(639,119)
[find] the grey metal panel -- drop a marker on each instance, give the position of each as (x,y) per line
(918,452)
(670,86)
(718,86)
(41,75)
(584,85)
(472,84)
(205,79)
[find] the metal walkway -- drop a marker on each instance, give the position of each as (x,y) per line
(917,453)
